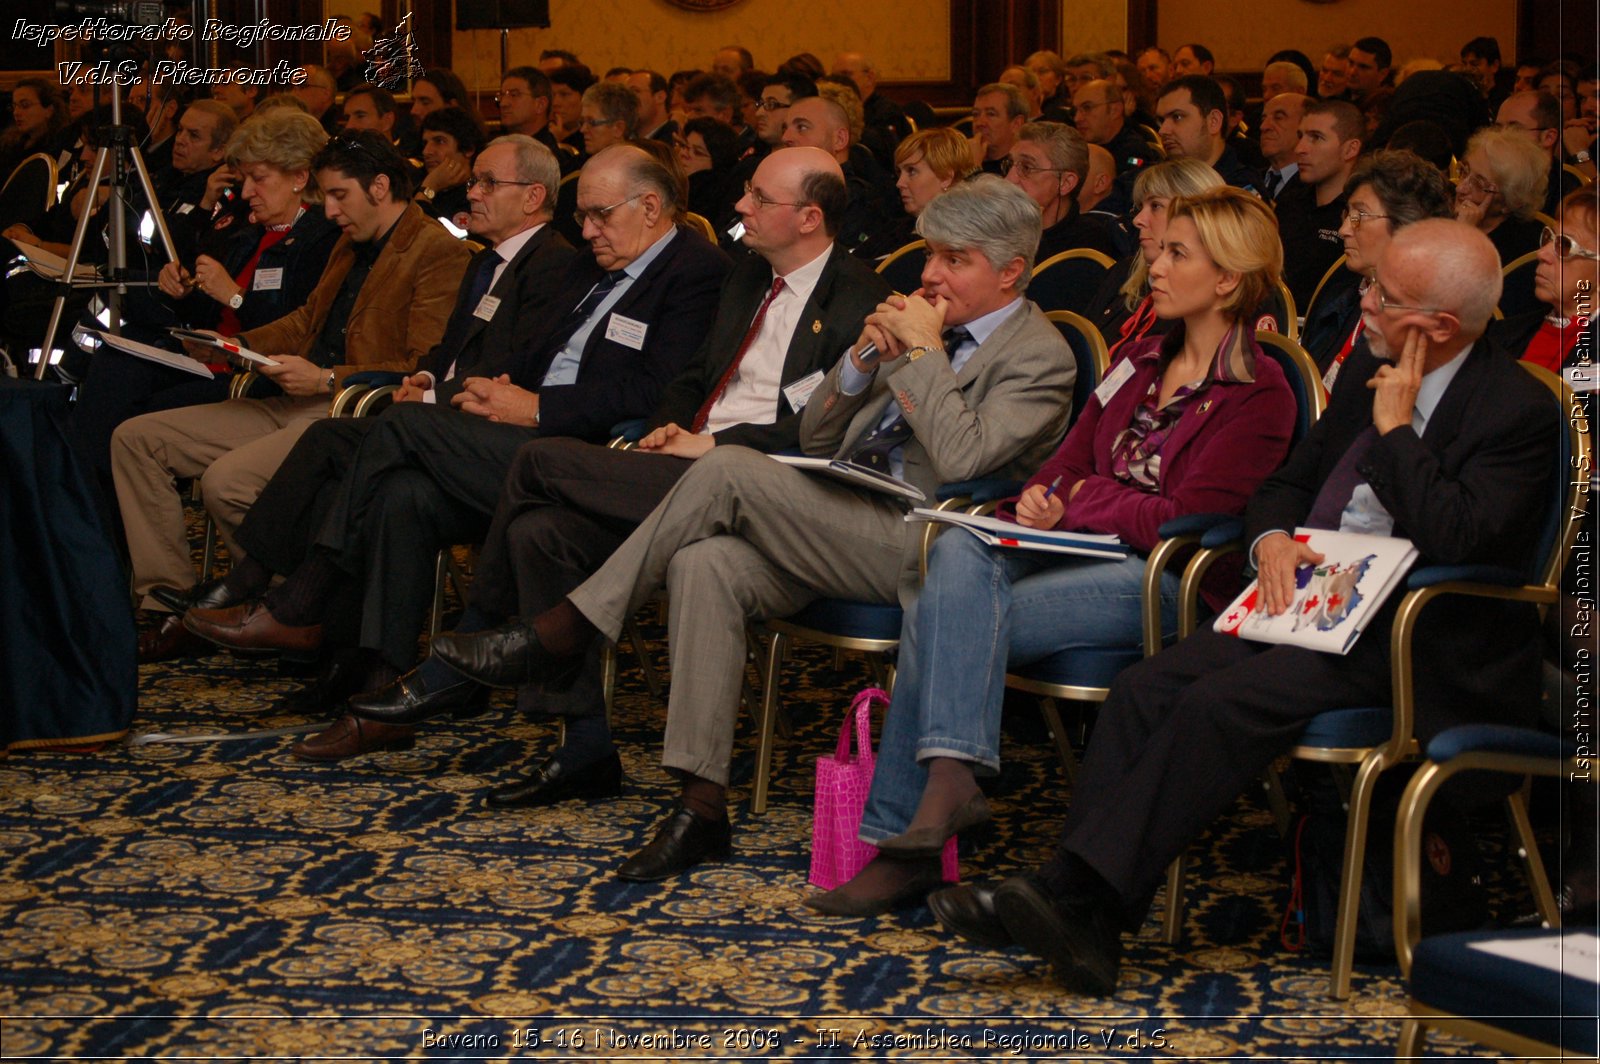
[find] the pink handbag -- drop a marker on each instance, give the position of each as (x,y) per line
(843,781)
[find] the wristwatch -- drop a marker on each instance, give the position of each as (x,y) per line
(236,300)
(914,353)
(1581,156)
(426,193)
(330,380)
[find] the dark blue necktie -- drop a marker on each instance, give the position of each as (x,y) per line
(586,307)
(874,451)
(483,264)
(1341,483)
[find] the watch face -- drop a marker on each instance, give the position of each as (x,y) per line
(236,300)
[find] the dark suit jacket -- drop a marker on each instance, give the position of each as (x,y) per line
(525,290)
(1473,489)
(846,292)
(676,298)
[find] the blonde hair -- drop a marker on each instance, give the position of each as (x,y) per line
(283,138)
(1167,180)
(946,152)
(1240,233)
(1517,164)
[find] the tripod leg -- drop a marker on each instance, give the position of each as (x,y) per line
(101,158)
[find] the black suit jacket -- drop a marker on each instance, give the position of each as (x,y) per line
(525,289)
(1473,489)
(846,292)
(675,298)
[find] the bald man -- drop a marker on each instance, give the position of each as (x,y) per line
(882,114)
(1433,434)
(867,224)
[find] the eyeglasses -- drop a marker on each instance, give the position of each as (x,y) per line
(1027,169)
(600,215)
(594,123)
(488,182)
(767,103)
(761,201)
(695,151)
(1358,217)
(1477,182)
(1371,282)
(1566,247)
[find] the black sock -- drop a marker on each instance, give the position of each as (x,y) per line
(708,799)
(302,599)
(563,630)
(247,579)
(588,741)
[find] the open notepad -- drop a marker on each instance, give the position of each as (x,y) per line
(998,533)
(857,475)
(225,345)
(49,265)
(154,354)
(1333,600)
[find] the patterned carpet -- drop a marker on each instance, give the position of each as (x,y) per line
(226,900)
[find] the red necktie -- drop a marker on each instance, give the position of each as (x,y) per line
(704,413)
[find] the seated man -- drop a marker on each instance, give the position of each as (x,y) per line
(1439,438)
(567,505)
(1311,210)
(624,322)
(392,256)
(974,382)
(1049,162)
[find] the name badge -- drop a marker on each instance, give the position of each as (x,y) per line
(267,280)
(799,393)
(184,208)
(626,331)
(487,305)
(1114,381)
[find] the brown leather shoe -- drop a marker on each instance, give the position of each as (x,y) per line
(169,640)
(349,736)
(251,626)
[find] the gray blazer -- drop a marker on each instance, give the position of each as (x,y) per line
(1002,415)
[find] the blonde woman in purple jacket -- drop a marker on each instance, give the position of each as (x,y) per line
(1189,422)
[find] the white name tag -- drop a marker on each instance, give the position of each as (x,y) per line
(799,393)
(626,331)
(1114,381)
(185,208)
(267,280)
(487,305)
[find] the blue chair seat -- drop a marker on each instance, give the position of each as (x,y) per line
(1349,727)
(1095,667)
(1448,974)
(851,619)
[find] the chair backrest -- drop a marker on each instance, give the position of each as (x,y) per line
(1088,351)
(1577,173)
(1069,281)
(1544,219)
(1567,489)
(1338,265)
(30,190)
(1277,313)
(902,268)
(963,126)
(1516,290)
(700,224)
(1304,379)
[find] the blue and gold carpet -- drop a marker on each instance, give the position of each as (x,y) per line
(227,901)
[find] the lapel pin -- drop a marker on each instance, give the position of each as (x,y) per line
(816,326)
(1205,406)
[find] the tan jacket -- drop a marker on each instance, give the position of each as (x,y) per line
(401,310)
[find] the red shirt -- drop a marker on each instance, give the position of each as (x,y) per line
(1550,344)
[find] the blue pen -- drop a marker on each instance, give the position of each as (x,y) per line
(1051,490)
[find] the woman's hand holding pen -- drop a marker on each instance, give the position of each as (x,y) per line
(1040,506)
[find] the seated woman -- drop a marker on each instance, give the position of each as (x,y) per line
(1561,333)
(38,115)
(1189,422)
(1122,309)
(708,154)
(1388,190)
(1502,182)
(245,276)
(451,139)
(925,164)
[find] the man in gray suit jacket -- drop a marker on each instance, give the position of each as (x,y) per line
(972,381)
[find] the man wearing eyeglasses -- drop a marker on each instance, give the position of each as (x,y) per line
(785,314)
(1435,435)
(626,317)
(1097,111)
(1538,114)
(1048,162)
(524,100)
(1311,209)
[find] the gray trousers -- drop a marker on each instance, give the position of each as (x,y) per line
(739,538)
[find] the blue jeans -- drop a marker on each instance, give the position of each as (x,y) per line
(981,610)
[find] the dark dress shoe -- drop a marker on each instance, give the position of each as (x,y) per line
(407,700)
(252,626)
(1079,937)
(339,677)
(968,910)
(211,595)
(508,656)
(349,736)
(170,640)
(837,903)
(685,839)
(554,782)
(928,842)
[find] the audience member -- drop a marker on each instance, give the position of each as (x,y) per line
(1311,210)
(239,95)
(1024,81)
(1333,73)
(1049,162)
(1099,113)
(708,153)
(524,100)
(317,92)
(1193,59)
(610,116)
(998,114)
(1426,140)
(450,141)
(867,224)
(568,83)
(439,87)
(731,61)
(1282,77)
(1561,333)
(1368,68)
(655,119)
(38,116)
(1500,184)
(1538,115)
(1192,111)
(882,114)
(1051,70)
(1280,137)
(1155,70)
(1097,181)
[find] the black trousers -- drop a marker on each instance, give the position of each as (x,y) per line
(566,505)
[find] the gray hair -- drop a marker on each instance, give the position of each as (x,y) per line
(1062,143)
(1102,62)
(535,163)
(616,103)
(989,215)
(1463,270)
(1016,103)
(1292,75)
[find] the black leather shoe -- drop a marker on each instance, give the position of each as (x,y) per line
(968,910)
(508,656)
(684,840)
(407,700)
(208,596)
(1079,937)
(553,782)
(927,842)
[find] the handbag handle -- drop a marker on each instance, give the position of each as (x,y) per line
(861,716)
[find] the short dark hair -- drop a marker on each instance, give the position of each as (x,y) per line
(1230,92)
(657,82)
(721,141)
(1347,120)
(455,122)
(615,71)
(799,85)
(1204,93)
(382,99)
(362,156)
(574,76)
(1410,187)
(1485,48)
(751,82)
(538,84)
(1378,48)
(451,88)
(1201,52)
(746,60)
(561,54)
(827,190)
(682,77)
(1426,139)
(1546,110)
(722,91)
